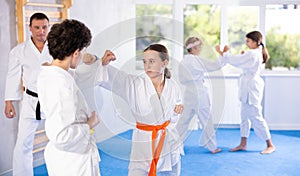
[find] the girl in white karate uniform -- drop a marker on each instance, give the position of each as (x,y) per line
(155,103)
(71,149)
(251,89)
(196,96)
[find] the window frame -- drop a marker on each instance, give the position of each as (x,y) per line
(178,10)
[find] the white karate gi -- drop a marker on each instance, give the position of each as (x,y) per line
(147,108)
(196,98)
(250,91)
(71,149)
(24,63)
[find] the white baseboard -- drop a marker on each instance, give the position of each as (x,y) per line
(227,125)
(6,173)
(284,126)
(271,126)
(38,162)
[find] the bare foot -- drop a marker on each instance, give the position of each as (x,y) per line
(217,150)
(238,148)
(268,150)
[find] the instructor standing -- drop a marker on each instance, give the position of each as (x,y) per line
(25,62)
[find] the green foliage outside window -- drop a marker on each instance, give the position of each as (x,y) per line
(284,49)
(204,21)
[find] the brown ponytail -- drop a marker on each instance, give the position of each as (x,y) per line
(265,53)
(257,37)
(167,73)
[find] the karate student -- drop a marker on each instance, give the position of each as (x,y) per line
(25,62)
(196,97)
(69,124)
(251,89)
(155,102)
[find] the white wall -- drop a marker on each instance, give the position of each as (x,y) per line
(8,127)
(99,16)
(280,103)
(225,102)
(282,100)
(112,25)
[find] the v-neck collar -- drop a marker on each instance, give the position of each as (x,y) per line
(153,88)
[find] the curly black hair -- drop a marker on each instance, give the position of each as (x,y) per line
(66,37)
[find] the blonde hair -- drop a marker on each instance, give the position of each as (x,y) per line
(191,40)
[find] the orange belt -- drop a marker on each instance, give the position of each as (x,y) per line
(155,151)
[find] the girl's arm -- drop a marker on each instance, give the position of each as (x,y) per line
(245,60)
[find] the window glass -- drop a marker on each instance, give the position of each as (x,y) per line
(152,26)
(203,21)
(283,36)
(241,20)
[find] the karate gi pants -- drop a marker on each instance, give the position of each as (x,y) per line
(252,115)
(23,156)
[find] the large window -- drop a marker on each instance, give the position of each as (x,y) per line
(203,21)
(283,36)
(241,20)
(223,23)
(152,26)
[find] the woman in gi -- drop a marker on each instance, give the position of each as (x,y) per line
(251,89)
(196,97)
(71,149)
(155,102)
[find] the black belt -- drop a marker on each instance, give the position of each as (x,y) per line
(38,106)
